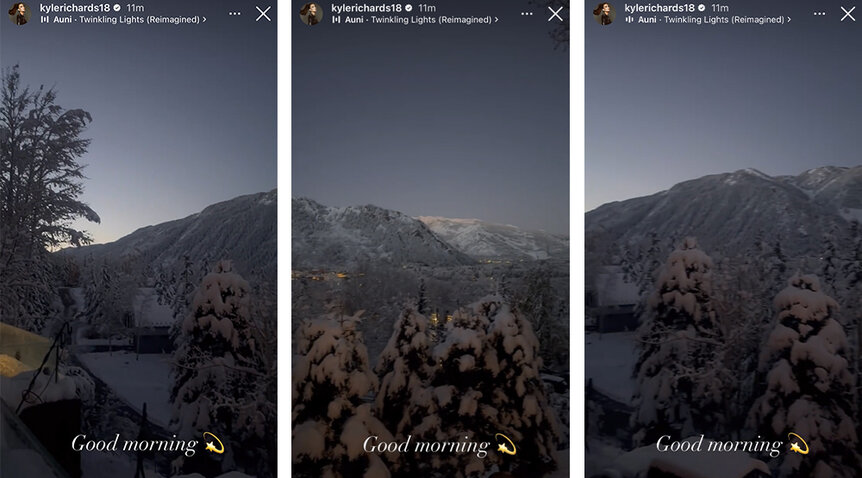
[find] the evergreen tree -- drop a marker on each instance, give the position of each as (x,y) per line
(641,264)
(40,182)
(217,378)
(407,367)
(461,379)
(538,303)
(518,396)
(331,378)
(487,382)
(108,295)
(181,293)
(406,364)
(810,388)
(681,382)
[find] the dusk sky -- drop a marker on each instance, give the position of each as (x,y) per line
(668,103)
(442,120)
(183,116)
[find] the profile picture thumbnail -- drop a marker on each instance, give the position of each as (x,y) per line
(605,13)
(311,14)
(20,13)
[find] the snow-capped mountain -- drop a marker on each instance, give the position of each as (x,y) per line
(481,239)
(243,230)
(727,212)
(345,236)
(840,188)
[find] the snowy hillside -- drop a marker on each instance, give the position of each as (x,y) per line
(728,211)
(839,188)
(242,229)
(330,236)
(486,240)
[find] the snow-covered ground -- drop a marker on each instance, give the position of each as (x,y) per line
(136,380)
(610,359)
(97,463)
(117,464)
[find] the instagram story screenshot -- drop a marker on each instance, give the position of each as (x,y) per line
(138,241)
(723,248)
(430,239)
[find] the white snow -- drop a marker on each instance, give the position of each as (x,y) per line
(486,240)
(781,378)
(469,403)
(612,288)
(149,312)
(46,389)
(444,394)
(610,360)
(702,464)
(851,214)
(136,380)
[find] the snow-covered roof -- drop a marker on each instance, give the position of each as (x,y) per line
(45,388)
(612,288)
(149,312)
(26,348)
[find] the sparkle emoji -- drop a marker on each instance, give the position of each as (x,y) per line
(211,445)
(502,448)
(794,446)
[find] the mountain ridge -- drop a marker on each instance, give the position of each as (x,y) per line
(730,210)
(347,236)
(481,239)
(242,229)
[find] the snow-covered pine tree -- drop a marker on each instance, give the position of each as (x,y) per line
(27,289)
(461,379)
(331,380)
(403,401)
(40,144)
(98,295)
(681,382)
(487,382)
(92,292)
(809,389)
(179,294)
(217,366)
(164,286)
(406,365)
(641,264)
(518,398)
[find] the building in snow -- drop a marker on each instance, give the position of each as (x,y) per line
(152,323)
(611,301)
